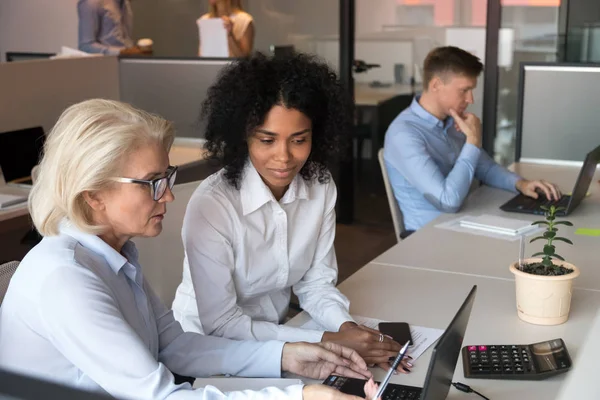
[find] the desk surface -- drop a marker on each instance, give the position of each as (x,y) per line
(185,151)
(432,298)
(441,249)
(365,95)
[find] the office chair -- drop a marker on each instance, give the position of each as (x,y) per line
(6,272)
(394,208)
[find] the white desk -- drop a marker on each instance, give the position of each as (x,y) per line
(365,95)
(442,249)
(431,298)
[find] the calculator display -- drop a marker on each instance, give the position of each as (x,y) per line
(549,356)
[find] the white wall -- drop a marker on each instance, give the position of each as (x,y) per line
(37,25)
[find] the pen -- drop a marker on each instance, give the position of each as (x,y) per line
(391,371)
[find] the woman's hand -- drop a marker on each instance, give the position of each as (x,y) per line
(319,360)
(371,344)
(227,24)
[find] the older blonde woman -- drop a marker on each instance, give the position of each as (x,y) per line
(78,310)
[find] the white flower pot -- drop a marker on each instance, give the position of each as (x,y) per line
(544,300)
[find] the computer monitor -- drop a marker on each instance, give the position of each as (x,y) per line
(557,115)
(282,51)
(12,56)
(20,151)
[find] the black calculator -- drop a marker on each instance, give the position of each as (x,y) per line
(524,362)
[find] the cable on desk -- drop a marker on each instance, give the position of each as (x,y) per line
(467,389)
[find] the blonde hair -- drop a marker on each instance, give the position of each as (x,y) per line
(234,5)
(86,147)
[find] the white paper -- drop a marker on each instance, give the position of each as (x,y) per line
(454,225)
(422,337)
(69,52)
(230,384)
(213,38)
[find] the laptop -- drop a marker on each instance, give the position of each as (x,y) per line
(441,366)
(20,151)
(527,205)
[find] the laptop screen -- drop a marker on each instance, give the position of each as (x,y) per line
(586,175)
(446,352)
(20,152)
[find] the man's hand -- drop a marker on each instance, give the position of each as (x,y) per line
(469,125)
(367,343)
(531,189)
(319,360)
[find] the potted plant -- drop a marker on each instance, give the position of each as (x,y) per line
(544,284)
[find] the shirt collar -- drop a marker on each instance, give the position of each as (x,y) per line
(115,260)
(428,117)
(255,193)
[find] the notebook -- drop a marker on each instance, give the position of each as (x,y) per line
(496,224)
(8,200)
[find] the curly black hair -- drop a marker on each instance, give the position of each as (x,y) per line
(249,88)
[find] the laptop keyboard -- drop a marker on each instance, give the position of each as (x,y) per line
(535,204)
(355,387)
(397,392)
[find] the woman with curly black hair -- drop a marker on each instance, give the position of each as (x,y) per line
(265,223)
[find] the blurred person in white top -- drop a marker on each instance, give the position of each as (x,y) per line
(78,310)
(265,224)
(237,23)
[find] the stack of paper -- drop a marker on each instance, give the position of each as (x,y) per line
(7,200)
(495,224)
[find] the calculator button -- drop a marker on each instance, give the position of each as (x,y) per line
(482,348)
(472,348)
(497,370)
(507,370)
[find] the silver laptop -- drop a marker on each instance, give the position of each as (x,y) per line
(20,151)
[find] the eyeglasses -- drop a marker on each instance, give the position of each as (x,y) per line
(158,185)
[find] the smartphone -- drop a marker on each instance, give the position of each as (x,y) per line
(399,331)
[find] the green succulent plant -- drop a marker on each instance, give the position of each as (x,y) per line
(550,235)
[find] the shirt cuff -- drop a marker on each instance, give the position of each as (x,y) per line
(274,349)
(470,152)
(512,180)
(338,317)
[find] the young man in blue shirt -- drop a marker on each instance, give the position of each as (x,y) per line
(433,149)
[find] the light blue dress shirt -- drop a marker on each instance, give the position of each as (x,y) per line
(79,313)
(105,26)
(431,168)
